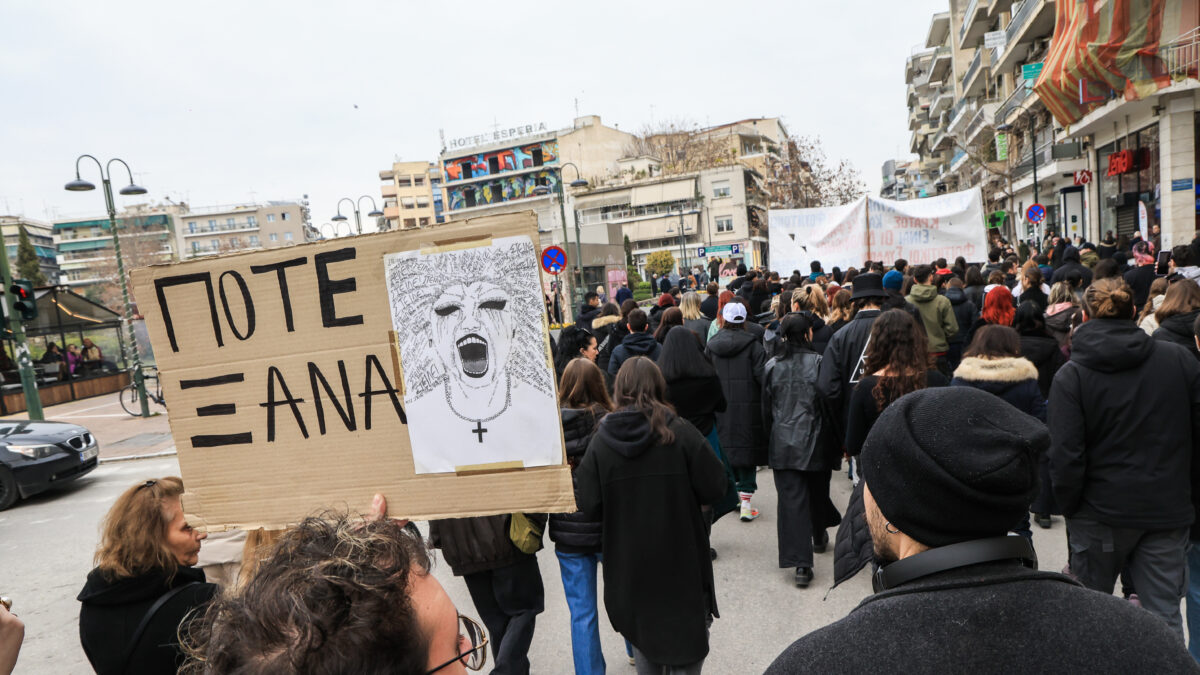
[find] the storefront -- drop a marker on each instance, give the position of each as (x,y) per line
(1128,182)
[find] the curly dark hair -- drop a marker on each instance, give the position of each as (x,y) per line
(333,597)
(899,347)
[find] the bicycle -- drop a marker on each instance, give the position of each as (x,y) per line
(129,395)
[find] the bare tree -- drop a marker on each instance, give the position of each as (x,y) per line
(141,245)
(813,180)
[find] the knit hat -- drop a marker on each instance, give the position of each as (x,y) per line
(951,464)
(893,280)
(734,312)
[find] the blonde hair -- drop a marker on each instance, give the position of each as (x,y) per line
(843,307)
(1061,292)
(690,306)
(133,536)
(811,298)
(1157,288)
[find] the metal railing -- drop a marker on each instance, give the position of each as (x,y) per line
(1013,102)
(976,64)
(968,18)
(224,227)
(1019,18)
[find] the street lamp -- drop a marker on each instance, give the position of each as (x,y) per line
(80,185)
(374,212)
(682,239)
(579,182)
(1005,128)
(334,228)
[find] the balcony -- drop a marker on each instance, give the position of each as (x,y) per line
(972,81)
(939,30)
(1031,20)
(917,117)
(388,190)
(943,60)
(974,22)
(223,228)
(941,101)
(1015,101)
(982,119)
(387,174)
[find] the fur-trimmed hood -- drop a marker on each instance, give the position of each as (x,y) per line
(602,321)
(1006,370)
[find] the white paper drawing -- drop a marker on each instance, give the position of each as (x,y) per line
(469,327)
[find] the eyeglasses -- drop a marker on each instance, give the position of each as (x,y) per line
(471,636)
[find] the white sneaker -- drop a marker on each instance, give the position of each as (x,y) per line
(749,513)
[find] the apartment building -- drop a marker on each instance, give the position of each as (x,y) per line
(1104,143)
(41,235)
(902,180)
(929,74)
(412,195)
(716,212)
(85,246)
(220,229)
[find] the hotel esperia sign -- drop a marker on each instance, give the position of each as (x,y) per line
(495,136)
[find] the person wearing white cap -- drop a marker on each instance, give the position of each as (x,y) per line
(739,358)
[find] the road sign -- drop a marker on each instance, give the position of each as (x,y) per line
(1030,71)
(1036,213)
(554,259)
(723,249)
(736,249)
(700,252)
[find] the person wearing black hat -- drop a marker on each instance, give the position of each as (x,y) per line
(955,594)
(841,367)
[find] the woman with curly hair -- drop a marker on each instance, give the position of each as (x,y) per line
(898,362)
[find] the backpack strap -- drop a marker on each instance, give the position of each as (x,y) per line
(145,623)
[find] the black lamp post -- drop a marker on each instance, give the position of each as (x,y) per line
(80,185)
(374,212)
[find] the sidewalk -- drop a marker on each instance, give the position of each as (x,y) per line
(119,434)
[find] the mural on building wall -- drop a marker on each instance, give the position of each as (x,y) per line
(510,159)
(499,190)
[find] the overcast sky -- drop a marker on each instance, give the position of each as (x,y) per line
(230,102)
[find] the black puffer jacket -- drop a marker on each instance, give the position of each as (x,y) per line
(1178,330)
(739,359)
(576,532)
(609,332)
(1012,379)
(633,344)
(476,544)
(1071,262)
(799,435)
(697,400)
(1124,428)
(965,313)
(1045,354)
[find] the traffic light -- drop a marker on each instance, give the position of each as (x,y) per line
(23,300)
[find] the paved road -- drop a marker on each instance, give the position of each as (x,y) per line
(46,544)
(120,434)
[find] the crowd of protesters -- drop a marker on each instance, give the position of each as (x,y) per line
(969,400)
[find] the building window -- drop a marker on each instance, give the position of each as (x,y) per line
(191,228)
(418,180)
(270,217)
(469,197)
(403,181)
(725,224)
(493,165)
(466,169)
(254,240)
(235,242)
(195,247)
(287,236)
(229,221)
(422,203)
(251,220)
(216,244)
(410,222)
(273,236)
(721,189)
(424,222)
(537,156)
(212,225)
(285,215)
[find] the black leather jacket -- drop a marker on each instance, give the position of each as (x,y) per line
(575,532)
(799,435)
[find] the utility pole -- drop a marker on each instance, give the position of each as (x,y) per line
(33,400)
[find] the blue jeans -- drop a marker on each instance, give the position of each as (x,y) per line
(1193,599)
(579,584)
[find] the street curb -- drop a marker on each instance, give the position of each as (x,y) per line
(130,458)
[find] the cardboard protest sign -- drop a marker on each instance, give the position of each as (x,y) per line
(918,230)
(289,392)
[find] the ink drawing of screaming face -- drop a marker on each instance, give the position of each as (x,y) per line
(478,388)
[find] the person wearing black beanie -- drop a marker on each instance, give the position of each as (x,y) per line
(939,494)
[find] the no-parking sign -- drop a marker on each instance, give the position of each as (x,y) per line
(554,259)
(1036,213)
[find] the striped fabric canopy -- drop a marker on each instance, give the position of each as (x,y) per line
(1105,48)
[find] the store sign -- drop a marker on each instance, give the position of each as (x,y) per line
(1083,177)
(1001,147)
(1120,162)
(1030,71)
(496,136)
(994,40)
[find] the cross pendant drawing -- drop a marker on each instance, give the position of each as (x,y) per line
(479,430)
